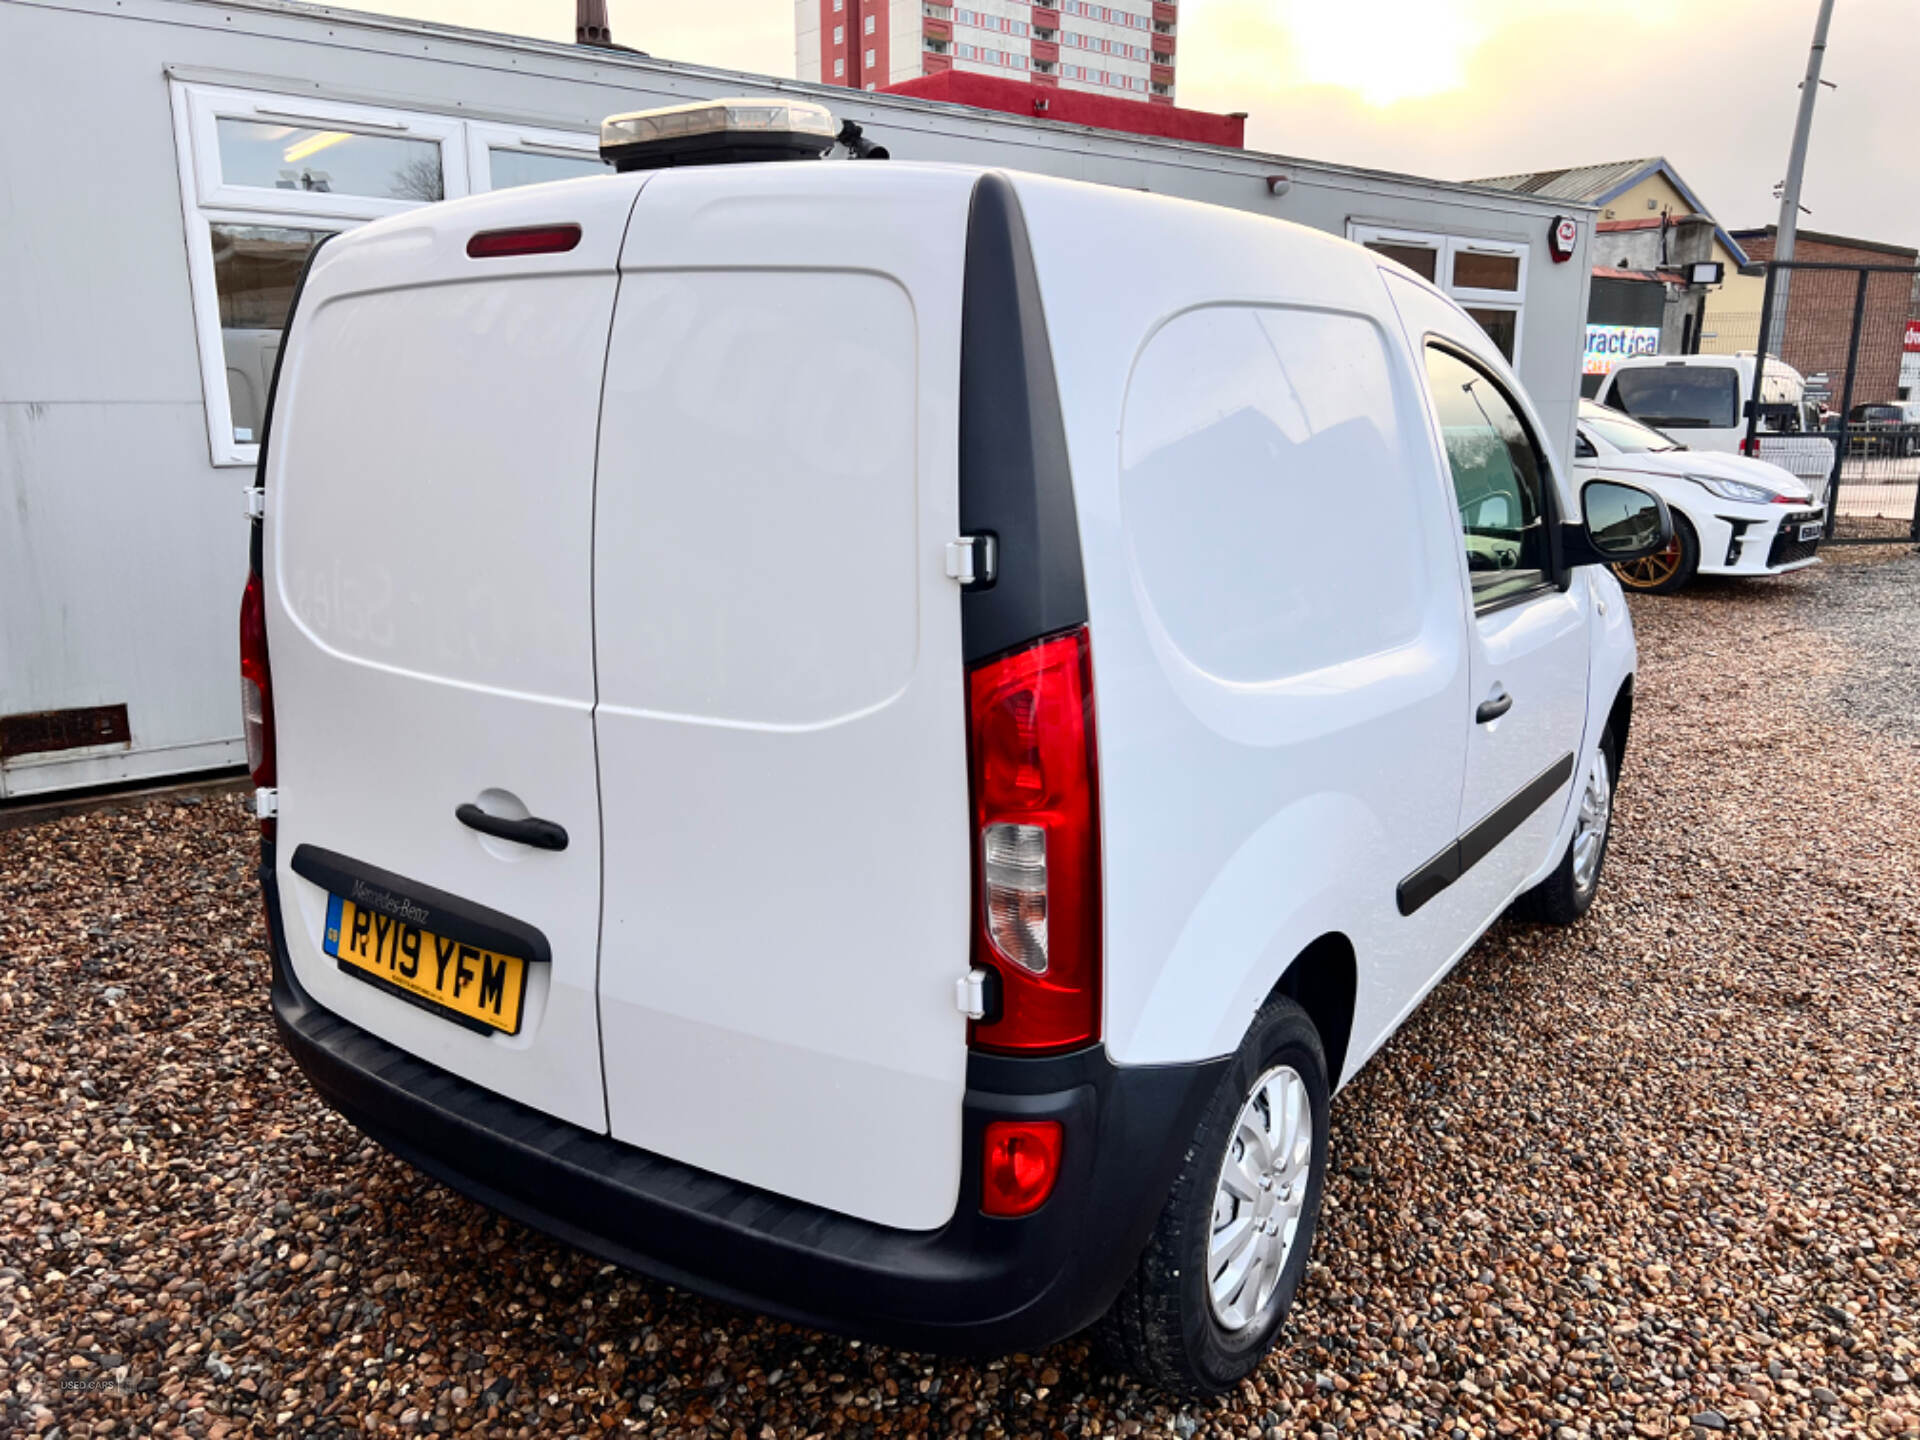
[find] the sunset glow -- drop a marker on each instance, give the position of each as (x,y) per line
(1383,50)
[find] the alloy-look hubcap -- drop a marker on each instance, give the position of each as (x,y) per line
(1590,828)
(1260,1197)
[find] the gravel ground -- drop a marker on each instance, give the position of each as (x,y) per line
(1656,1174)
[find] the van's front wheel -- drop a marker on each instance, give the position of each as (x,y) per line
(1565,895)
(1219,1274)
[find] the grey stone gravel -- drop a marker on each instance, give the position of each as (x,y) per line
(1626,1179)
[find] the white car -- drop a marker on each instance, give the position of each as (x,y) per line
(1731,515)
(874,740)
(1705,399)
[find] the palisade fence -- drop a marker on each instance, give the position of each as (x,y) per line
(1841,327)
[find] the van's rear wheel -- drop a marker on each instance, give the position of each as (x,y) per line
(1219,1275)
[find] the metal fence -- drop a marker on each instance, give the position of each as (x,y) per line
(1841,327)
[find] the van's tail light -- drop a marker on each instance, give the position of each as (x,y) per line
(256,682)
(1036,829)
(1750,446)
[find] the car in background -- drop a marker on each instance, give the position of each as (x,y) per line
(1884,428)
(1731,515)
(1706,397)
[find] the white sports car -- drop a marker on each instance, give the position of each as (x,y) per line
(1731,515)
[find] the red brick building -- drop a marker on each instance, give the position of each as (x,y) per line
(1820,305)
(1117,49)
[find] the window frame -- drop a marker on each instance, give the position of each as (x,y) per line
(1554,575)
(207,200)
(466,168)
(1445,247)
(206,106)
(484,137)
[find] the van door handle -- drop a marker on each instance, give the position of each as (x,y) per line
(540,834)
(1494,706)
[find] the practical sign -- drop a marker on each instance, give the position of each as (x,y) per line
(1608,345)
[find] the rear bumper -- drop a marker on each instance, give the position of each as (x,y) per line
(978,1284)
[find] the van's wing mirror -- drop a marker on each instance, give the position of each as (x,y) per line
(1622,522)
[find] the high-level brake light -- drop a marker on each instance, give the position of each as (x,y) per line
(1036,826)
(524,240)
(717,132)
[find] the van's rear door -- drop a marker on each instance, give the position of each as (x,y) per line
(429,573)
(781,719)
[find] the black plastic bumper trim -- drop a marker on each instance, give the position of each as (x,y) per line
(977,1284)
(422,906)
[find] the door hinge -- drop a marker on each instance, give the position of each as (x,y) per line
(970,994)
(266,803)
(973,559)
(256,503)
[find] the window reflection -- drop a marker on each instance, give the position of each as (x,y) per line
(1423,261)
(255,270)
(1473,270)
(509,168)
(1502,327)
(331,162)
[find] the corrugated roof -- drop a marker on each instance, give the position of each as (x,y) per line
(1582,183)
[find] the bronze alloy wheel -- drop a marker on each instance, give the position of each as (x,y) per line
(1650,572)
(1670,570)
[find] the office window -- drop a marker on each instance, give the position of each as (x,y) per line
(501,157)
(318,159)
(839,68)
(867,25)
(265,177)
(868,62)
(839,34)
(1487,277)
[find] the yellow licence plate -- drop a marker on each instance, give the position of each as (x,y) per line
(478,988)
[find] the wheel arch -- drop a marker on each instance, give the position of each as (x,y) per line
(1619,722)
(1324,980)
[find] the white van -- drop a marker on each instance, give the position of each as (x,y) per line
(1702,401)
(874,740)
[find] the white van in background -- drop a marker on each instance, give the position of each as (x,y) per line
(874,740)
(1701,400)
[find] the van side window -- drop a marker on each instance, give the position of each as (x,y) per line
(1583,447)
(1680,397)
(1498,479)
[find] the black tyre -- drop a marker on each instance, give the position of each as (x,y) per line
(1220,1272)
(1672,569)
(1565,895)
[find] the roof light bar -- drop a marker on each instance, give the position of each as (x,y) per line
(717,132)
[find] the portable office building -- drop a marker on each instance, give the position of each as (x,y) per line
(166,164)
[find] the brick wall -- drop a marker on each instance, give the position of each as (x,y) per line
(1820,312)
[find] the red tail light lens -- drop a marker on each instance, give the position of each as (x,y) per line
(1750,448)
(1021,1164)
(1037,839)
(528,240)
(256,683)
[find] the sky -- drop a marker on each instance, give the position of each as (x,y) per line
(1462,88)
